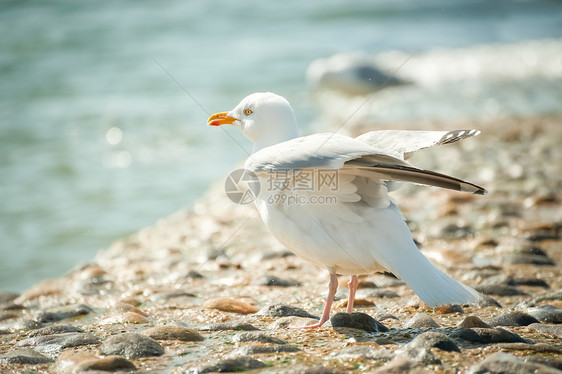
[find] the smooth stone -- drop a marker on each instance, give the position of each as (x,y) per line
(530,282)
(171,295)
(473,321)
(282,310)
(65,312)
(57,342)
(500,290)
(24,356)
(422,355)
(486,301)
(122,307)
(382,293)
(263,349)
(303,369)
(4,332)
(543,328)
(232,365)
(229,305)
(27,324)
(357,304)
(516,318)
(450,309)
(529,255)
(421,321)
(71,362)
(364,352)
(131,345)
(277,254)
(547,361)
(357,320)
(172,332)
(254,336)
(229,326)
(193,274)
(274,281)
(538,347)
(108,363)
(292,322)
(381,316)
(546,313)
(55,329)
(127,317)
(401,365)
(506,280)
(435,339)
(456,231)
(552,296)
(487,336)
(6,297)
(505,363)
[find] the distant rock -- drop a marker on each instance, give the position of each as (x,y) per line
(248,350)
(546,313)
(282,310)
(55,329)
(401,365)
(303,369)
(229,305)
(233,325)
(274,281)
(473,321)
(254,336)
(500,290)
(62,313)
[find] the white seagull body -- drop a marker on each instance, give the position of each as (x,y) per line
(325,197)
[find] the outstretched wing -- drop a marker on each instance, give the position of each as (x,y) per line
(338,152)
(407,142)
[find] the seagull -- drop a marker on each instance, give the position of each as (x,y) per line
(326,197)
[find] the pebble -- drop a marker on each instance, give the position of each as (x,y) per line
(171,295)
(529,255)
(383,293)
(549,329)
(357,304)
(172,332)
(473,321)
(24,356)
(232,365)
(422,355)
(274,281)
(401,365)
(486,301)
(131,345)
(357,320)
(282,310)
(487,336)
(547,361)
(538,347)
(506,280)
(303,369)
(56,329)
(516,318)
(193,274)
(292,322)
(454,231)
(6,297)
(57,342)
(421,321)
(277,254)
(65,312)
(505,363)
(552,296)
(229,305)
(4,332)
(253,336)
(435,339)
(27,324)
(7,316)
(450,309)
(234,325)
(127,317)
(122,307)
(263,349)
(387,281)
(381,316)
(71,362)
(500,290)
(546,313)
(363,352)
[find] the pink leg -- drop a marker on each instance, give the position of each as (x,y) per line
(333,287)
(352,284)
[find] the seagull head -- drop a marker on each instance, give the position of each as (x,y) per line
(264,117)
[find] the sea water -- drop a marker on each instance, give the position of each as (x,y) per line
(103,105)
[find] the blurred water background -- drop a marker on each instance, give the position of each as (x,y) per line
(97,141)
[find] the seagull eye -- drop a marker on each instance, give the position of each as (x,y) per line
(248,111)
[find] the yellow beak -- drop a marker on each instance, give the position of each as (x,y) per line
(219,119)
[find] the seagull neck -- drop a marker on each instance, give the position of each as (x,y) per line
(269,141)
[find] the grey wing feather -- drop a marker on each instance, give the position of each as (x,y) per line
(407,142)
